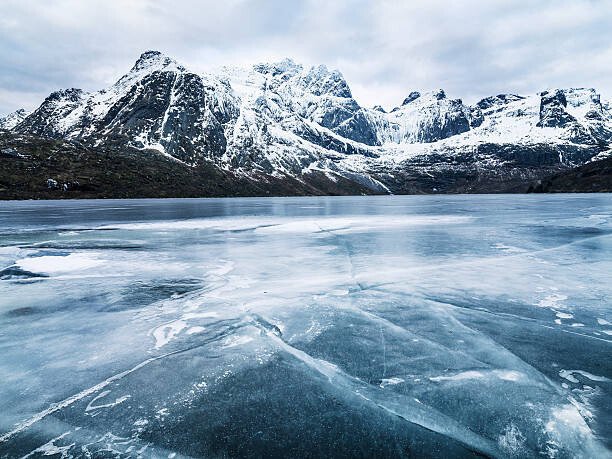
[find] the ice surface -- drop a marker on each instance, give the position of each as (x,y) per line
(363,326)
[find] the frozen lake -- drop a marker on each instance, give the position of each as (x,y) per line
(427,326)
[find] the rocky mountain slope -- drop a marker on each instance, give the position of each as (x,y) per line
(592,177)
(33,167)
(278,124)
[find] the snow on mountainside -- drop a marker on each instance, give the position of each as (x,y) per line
(284,120)
(13,119)
(529,120)
(517,120)
(159,105)
(428,118)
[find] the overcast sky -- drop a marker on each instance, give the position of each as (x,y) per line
(384,48)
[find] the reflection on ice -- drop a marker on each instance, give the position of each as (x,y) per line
(404,326)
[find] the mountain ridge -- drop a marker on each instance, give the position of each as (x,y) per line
(285,121)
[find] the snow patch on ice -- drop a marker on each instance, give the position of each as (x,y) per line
(552,301)
(390,382)
(459,376)
(506,375)
(165,333)
(569,375)
(194,330)
(59,264)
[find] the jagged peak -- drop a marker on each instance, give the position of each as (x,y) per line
(414,95)
(284,66)
(579,90)
(149,58)
(554,95)
(322,71)
(322,81)
(12,119)
(148,62)
(417,99)
(151,61)
(319,80)
(439,94)
(71,94)
(576,94)
(580,96)
(499,99)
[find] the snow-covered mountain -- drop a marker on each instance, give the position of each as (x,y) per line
(13,119)
(282,120)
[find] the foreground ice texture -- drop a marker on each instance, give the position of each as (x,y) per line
(303,327)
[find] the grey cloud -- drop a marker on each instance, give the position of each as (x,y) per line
(385,48)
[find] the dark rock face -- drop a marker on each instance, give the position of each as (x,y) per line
(330,143)
(537,155)
(500,99)
(194,122)
(579,134)
(174,110)
(486,168)
(358,128)
(593,177)
(336,114)
(168,108)
(142,108)
(451,119)
(594,115)
(10,153)
(414,95)
(476,117)
(552,110)
(454,122)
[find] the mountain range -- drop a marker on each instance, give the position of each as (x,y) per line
(282,128)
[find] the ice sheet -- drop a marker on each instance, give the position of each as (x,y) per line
(350,326)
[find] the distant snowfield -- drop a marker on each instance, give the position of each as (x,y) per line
(271,322)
